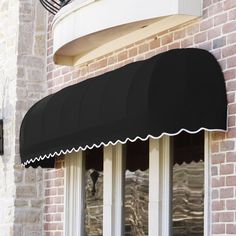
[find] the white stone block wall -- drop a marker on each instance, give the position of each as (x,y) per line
(22,83)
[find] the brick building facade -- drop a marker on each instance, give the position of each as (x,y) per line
(35,199)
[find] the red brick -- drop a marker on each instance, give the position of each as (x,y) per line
(206,3)
(213,33)
(231,62)
(218,182)
(143,48)
(232,14)
(193,29)
(230,74)
(215,9)
(231,157)
(57,217)
(231,38)
(206,24)
(217,158)
(229,4)
(167,39)
(60,173)
(232,109)
(60,208)
(215,147)
(174,45)
(227,145)
(214,170)
(200,37)
(215,217)
(215,194)
(219,42)
(226,169)
(231,180)
(206,45)
(187,42)
(231,97)
(220,19)
(218,228)
(226,216)
(122,56)
(231,204)
(229,51)
(155,43)
(229,27)
(231,121)
(179,34)
(226,192)
(218,135)
(231,229)
(218,205)
(58,200)
(58,234)
(133,52)
(231,133)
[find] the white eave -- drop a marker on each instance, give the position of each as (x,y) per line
(93,28)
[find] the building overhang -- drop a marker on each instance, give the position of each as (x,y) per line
(93,28)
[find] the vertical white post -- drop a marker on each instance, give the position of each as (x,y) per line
(113,190)
(166,186)
(108,218)
(118,189)
(74,194)
(207,193)
(154,188)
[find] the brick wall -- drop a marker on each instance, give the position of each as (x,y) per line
(215,32)
(54,199)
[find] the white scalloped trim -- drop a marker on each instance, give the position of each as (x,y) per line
(67,151)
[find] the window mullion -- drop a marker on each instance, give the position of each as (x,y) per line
(74,194)
(113,191)
(166,186)
(154,188)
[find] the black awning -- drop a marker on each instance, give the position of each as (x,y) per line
(182,89)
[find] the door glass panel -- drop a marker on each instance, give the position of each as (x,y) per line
(136,189)
(188,185)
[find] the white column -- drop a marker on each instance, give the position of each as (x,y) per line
(207,189)
(154,188)
(159,186)
(113,190)
(166,186)
(119,189)
(74,194)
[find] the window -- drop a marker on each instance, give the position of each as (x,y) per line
(155,187)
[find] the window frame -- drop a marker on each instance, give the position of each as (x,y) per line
(159,212)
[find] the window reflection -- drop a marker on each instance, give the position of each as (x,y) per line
(136,189)
(188,185)
(94,192)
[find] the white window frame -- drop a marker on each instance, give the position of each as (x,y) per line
(160,178)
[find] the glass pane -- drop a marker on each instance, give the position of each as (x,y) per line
(94,193)
(136,189)
(188,185)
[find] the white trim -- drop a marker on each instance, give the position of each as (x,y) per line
(154,204)
(166,185)
(74,194)
(207,189)
(113,190)
(159,187)
(107,191)
(119,189)
(68,151)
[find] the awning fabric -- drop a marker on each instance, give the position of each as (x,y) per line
(182,89)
